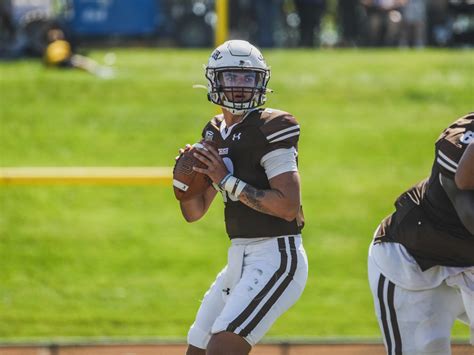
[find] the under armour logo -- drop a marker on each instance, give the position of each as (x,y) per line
(227,291)
(236,136)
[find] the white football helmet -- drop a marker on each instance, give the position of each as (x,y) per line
(237,77)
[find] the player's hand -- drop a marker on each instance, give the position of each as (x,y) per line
(216,169)
(182,150)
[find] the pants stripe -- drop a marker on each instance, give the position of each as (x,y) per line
(273,280)
(383,314)
(271,301)
(393,318)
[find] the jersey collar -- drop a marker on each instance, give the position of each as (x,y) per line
(225,131)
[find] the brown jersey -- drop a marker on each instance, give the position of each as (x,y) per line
(425,221)
(242,148)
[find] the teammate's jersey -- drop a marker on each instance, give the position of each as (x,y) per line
(242,147)
(426,222)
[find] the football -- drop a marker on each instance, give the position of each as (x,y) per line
(188,183)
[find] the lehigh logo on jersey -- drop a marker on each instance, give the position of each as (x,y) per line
(223,151)
(209,136)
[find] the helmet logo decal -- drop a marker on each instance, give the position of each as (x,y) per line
(216,55)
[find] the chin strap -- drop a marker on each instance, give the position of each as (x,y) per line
(235,111)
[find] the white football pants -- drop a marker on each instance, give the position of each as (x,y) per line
(420,322)
(263,278)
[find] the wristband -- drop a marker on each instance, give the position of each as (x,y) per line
(223,181)
(234,185)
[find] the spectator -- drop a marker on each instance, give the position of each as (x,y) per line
(58,53)
(310,13)
(384,19)
(6,20)
(413,31)
(242,20)
(437,19)
(349,20)
(7,30)
(268,12)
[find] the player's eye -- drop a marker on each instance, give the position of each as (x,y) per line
(229,77)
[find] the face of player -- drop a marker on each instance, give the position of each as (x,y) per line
(240,84)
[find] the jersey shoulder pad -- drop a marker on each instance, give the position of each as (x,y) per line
(212,127)
(279,126)
(452,143)
(217,120)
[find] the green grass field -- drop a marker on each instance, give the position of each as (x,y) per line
(121,261)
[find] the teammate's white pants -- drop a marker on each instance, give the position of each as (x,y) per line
(420,321)
(262,280)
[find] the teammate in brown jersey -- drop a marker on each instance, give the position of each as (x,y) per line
(421,261)
(255,169)
(465,174)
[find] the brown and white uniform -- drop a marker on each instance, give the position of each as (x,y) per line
(421,261)
(267,265)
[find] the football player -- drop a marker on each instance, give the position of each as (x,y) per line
(255,169)
(465,174)
(421,261)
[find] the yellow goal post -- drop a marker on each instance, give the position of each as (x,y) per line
(222,26)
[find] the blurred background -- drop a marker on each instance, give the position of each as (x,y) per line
(24,24)
(84,259)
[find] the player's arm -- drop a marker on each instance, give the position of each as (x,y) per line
(193,209)
(462,200)
(281,200)
(197,207)
(464,177)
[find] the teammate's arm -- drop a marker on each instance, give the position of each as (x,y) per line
(464,177)
(462,200)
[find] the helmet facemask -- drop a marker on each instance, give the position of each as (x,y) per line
(237,89)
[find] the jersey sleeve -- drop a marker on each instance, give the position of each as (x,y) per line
(452,143)
(281,132)
(281,135)
(211,129)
